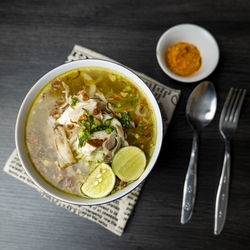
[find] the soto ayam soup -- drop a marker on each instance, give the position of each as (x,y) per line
(90,132)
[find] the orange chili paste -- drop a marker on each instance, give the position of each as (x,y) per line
(183,59)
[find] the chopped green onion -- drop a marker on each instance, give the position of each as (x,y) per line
(87,124)
(74,102)
(131,95)
(108,130)
(133,102)
(120,104)
(118,77)
(139,127)
(108,122)
(127,88)
(82,122)
(93,126)
(98,123)
(81,132)
(86,136)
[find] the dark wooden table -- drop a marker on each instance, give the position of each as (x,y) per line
(36,36)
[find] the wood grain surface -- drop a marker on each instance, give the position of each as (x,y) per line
(36,36)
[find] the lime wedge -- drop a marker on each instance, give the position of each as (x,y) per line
(129,163)
(100,182)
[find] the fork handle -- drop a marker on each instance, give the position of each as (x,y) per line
(189,190)
(223,192)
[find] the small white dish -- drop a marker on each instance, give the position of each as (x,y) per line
(197,36)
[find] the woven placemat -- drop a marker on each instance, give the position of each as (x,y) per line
(114,215)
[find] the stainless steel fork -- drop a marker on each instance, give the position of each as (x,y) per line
(228,124)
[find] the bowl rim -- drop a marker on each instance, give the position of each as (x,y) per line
(191,79)
(28,100)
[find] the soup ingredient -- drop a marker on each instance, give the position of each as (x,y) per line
(74,101)
(183,59)
(126,120)
(65,155)
(85,116)
(94,125)
(110,146)
(100,182)
(129,163)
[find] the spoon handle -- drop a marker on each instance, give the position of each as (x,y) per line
(189,190)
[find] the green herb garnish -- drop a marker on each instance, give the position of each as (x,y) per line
(127,88)
(91,125)
(74,101)
(85,135)
(139,127)
(131,95)
(126,120)
(91,119)
(118,77)
(81,132)
(120,104)
(134,101)
(108,122)
(108,130)
(137,136)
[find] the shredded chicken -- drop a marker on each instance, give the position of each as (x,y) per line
(65,155)
(72,114)
(66,93)
(87,149)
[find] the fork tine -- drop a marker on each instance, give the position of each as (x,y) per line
(235,105)
(225,107)
(229,107)
(237,112)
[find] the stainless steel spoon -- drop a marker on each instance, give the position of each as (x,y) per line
(200,111)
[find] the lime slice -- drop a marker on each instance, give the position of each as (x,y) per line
(129,163)
(100,182)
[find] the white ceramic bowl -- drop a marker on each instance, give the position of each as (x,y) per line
(20,126)
(197,36)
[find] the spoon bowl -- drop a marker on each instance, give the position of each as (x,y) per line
(201,105)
